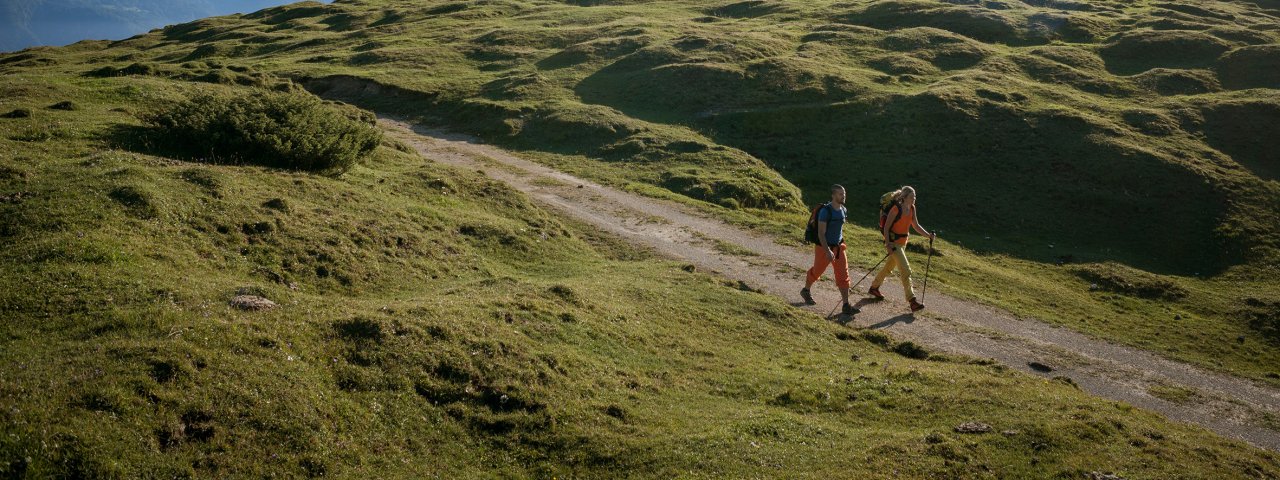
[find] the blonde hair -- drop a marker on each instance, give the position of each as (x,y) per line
(901,193)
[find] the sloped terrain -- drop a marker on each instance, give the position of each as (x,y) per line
(177,318)
(1047,132)
(1099,165)
(1032,96)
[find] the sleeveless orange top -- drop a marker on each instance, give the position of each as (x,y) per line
(902,226)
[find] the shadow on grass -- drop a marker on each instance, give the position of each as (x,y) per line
(147,140)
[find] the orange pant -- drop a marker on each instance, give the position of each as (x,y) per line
(840,265)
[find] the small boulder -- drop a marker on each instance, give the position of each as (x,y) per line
(252,303)
(973,427)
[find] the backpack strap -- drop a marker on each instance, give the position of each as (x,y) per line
(813,215)
(893,236)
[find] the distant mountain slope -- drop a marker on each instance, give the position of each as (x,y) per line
(28,23)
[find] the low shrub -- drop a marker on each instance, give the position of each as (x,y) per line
(1113,277)
(281,130)
(1263,315)
(18,113)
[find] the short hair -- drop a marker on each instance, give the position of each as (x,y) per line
(836,187)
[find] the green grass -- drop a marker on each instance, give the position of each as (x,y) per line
(1113,134)
(1174,394)
(410,305)
(417,336)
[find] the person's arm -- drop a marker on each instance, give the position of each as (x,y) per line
(915,223)
(888,226)
(822,234)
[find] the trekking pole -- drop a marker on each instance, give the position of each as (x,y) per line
(926,270)
(864,277)
(860,280)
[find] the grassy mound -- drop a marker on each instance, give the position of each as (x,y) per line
(1178,82)
(1251,67)
(750,9)
(291,131)
(1118,278)
(969,20)
(1151,122)
(1139,51)
(945,50)
(1050,70)
(1244,129)
(1073,28)
(594,50)
(1074,57)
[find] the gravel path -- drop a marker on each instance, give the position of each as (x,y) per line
(1228,405)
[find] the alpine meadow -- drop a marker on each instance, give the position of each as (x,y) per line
(218,258)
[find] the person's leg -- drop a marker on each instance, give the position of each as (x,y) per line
(840,269)
(889,263)
(904,271)
(819,266)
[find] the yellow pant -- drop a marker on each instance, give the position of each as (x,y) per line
(897,259)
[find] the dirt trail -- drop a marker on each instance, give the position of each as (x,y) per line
(1230,406)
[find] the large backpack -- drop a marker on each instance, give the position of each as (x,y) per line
(887,204)
(811,229)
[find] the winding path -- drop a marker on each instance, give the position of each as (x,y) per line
(1228,405)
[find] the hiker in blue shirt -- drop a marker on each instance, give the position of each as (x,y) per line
(826,231)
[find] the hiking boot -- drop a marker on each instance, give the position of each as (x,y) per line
(808,299)
(875,292)
(916,306)
(849,309)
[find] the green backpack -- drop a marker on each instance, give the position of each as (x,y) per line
(887,204)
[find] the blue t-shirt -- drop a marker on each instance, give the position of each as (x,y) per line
(835,223)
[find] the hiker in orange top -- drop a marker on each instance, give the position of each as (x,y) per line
(829,248)
(900,218)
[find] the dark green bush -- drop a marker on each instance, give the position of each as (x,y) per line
(144,69)
(911,350)
(1263,315)
(1114,277)
(282,130)
(18,113)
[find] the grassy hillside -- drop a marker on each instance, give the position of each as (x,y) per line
(415,335)
(60,22)
(1103,165)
